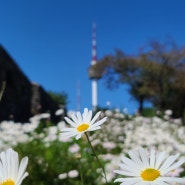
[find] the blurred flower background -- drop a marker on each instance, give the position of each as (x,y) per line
(54,159)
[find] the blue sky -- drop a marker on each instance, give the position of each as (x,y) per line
(51,40)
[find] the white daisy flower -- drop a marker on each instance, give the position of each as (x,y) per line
(82,123)
(11,172)
(148,169)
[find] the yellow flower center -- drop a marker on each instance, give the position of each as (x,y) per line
(150,174)
(83,127)
(7,182)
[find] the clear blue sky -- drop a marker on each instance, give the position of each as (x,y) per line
(51,40)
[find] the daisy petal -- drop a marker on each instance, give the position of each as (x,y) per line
(143,168)
(70,121)
(81,123)
(100,122)
(95,117)
(10,169)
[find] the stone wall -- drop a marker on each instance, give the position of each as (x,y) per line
(21,99)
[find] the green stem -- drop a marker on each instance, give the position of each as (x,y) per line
(96,157)
(2,89)
(81,174)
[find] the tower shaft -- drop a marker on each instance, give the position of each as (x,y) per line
(94,79)
(94,94)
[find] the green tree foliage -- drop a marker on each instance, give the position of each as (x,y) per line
(168,76)
(59,98)
(157,75)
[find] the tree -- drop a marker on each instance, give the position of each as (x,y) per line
(59,98)
(120,68)
(156,75)
(167,57)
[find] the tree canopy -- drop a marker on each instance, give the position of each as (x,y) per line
(157,75)
(60,98)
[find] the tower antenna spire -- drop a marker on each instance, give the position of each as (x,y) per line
(92,72)
(94,56)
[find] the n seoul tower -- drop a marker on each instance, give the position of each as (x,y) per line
(92,73)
